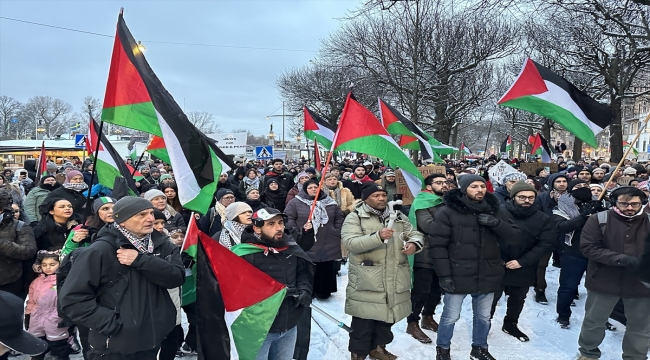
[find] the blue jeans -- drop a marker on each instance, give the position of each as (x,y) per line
(278,346)
(453,303)
(570,276)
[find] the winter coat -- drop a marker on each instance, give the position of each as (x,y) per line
(54,238)
(15,192)
(76,198)
(347,199)
(467,251)
(176,219)
(391,188)
(239,196)
(285,180)
(565,226)
(537,238)
(147,313)
(355,187)
(41,306)
(622,237)
(291,267)
(291,194)
(328,237)
(33,200)
(502,193)
(425,226)
(15,246)
(30,166)
(380,291)
(87,175)
(213,221)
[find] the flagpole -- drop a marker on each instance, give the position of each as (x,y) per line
(641,129)
(135,167)
(94,172)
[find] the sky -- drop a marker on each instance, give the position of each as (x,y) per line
(236,85)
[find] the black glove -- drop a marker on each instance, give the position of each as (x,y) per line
(27,316)
(447,284)
(590,208)
(303,299)
(292,291)
(629,261)
(488,220)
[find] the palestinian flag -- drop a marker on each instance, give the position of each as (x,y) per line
(136,174)
(360,131)
(317,160)
(317,128)
(42,164)
(189,247)
(464,150)
(396,124)
(540,147)
(135,98)
(626,145)
(237,307)
(506,145)
(133,155)
(539,90)
(156,147)
(109,162)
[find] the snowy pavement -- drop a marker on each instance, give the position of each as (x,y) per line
(547,340)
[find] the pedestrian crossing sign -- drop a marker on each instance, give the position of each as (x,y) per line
(264,152)
(80,141)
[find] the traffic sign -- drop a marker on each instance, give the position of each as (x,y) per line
(80,141)
(264,152)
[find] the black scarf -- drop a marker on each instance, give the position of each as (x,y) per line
(520,212)
(480,207)
(277,197)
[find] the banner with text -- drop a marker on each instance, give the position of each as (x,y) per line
(231,143)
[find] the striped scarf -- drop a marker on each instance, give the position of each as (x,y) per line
(143,244)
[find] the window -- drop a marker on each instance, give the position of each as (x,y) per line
(626,129)
(644,146)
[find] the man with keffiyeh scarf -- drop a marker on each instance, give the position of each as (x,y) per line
(357,180)
(142,264)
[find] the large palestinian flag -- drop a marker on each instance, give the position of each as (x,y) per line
(135,98)
(541,91)
(396,124)
(360,131)
(540,147)
(319,129)
(237,302)
(109,162)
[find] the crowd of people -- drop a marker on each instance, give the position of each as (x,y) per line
(103,275)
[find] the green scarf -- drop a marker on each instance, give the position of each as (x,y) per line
(424,200)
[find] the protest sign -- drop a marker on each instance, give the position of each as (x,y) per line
(529,168)
(499,170)
(402,187)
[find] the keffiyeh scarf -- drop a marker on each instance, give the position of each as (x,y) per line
(231,233)
(76,186)
(254,183)
(320,216)
(383,215)
(567,208)
(143,244)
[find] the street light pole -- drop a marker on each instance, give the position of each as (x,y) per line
(283,125)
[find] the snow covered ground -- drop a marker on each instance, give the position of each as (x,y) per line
(547,340)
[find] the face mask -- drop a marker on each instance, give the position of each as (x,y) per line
(582,194)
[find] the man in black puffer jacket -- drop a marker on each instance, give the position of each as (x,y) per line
(467,258)
(287,263)
(130,320)
(538,237)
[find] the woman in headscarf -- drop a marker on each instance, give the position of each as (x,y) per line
(252,180)
(299,180)
(159,201)
(37,195)
(327,221)
(22,181)
(238,217)
(343,196)
(72,190)
(274,196)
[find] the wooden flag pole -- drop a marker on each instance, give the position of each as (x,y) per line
(320,185)
(629,148)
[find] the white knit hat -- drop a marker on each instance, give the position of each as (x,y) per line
(153,193)
(233,210)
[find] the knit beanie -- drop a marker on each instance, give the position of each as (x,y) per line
(521,186)
(370,188)
(389,172)
(101,201)
(297,179)
(465,180)
(573,183)
(248,191)
(164,177)
(223,192)
(129,206)
(516,176)
(233,210)
(158,215)
(310,170)
(153,193)
(51,167)
(71,174)
(155,170)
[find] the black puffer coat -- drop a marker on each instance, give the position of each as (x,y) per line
(467,251)
(537,238)
(15,246)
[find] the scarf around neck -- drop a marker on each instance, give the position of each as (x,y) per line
(319,217)
(480,207)
(555,195)
(336,192)
(76,186)
(231,233)
(383,215)
(144,245)
(254,183)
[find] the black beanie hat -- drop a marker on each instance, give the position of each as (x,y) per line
(465,180)
(369,188)
(128,206)
(573,183)
(158,215)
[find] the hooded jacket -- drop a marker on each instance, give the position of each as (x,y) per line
(34,199)
(147,313)
(466,251)
(546,202)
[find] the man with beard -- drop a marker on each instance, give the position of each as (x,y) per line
(425,294)
(548,201)
(284,178)
(561,166)
(224,183)
(597,175)
(387,181)
(357,180)
(570,215)
(613,241)
(380,279)
(464,249)
(584,174)
(281,258)
(503,191)
(369,167)
(537,238)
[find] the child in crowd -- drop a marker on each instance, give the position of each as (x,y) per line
(41,317)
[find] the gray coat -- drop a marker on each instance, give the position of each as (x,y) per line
(327,246)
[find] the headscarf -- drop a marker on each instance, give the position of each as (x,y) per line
(276,197)
(319,217)
(74,186)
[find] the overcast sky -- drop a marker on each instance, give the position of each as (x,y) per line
(236,85)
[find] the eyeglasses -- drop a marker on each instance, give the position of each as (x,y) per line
(624,205)
(230,197)
(440,183)
(526,198)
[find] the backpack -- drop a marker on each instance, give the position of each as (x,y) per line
(62,274)
(602,220)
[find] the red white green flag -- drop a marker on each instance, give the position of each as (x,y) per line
(156,147)
(626,145)
(318,128)
(360,131)
(540,147)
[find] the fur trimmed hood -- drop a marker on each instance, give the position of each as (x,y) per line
(452,198)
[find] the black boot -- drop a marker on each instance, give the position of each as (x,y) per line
(540,297)
(511,328)
(442,354)
(479,353)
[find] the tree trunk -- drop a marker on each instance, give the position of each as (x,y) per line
(414,157)
(616,133)
(577,150)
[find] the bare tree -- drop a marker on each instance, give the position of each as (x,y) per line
(51,114)
(204,121)
(9,109)
(252,139)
